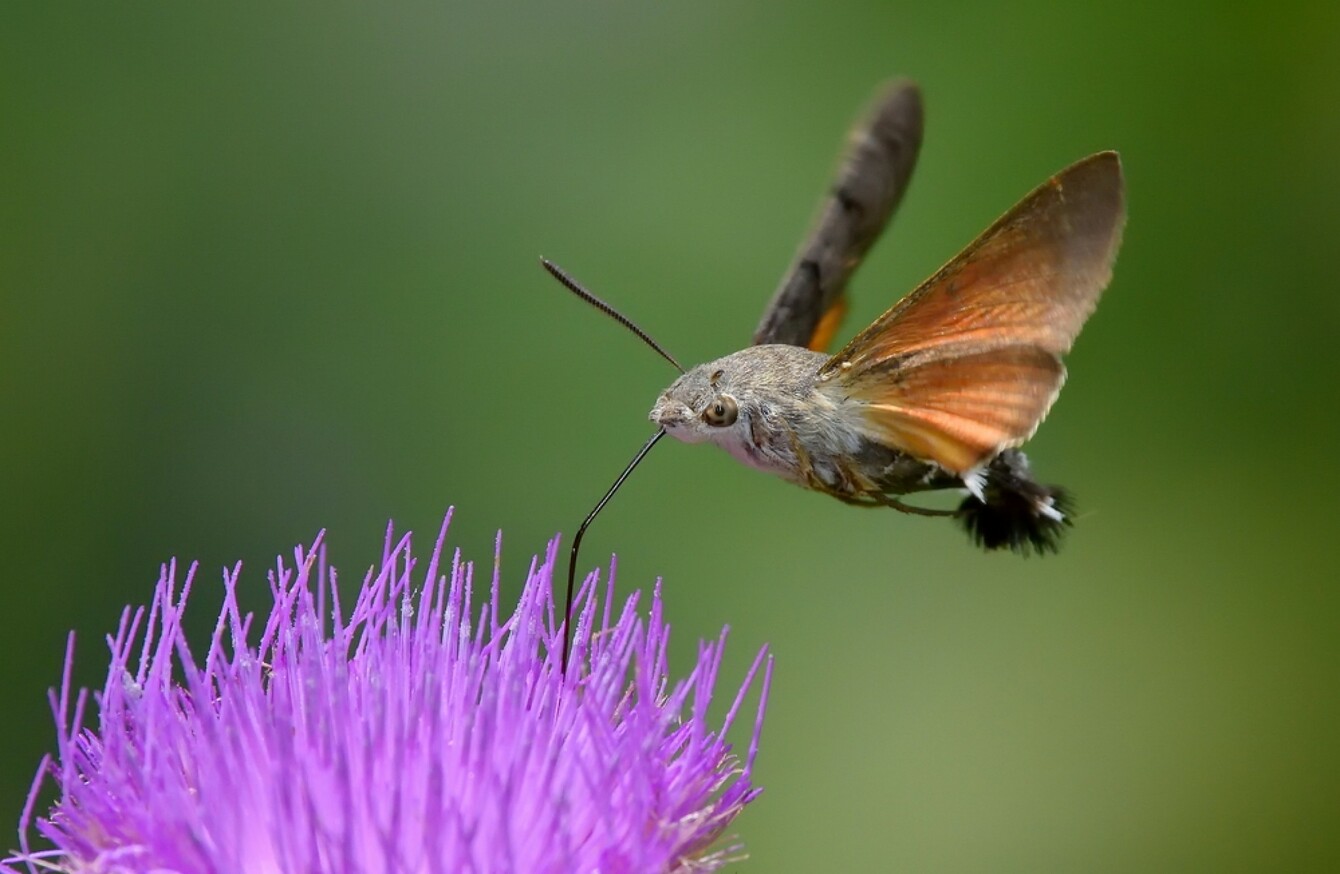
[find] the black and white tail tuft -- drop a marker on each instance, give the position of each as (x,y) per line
(1013,511)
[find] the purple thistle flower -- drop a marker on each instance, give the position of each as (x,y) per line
(404,738)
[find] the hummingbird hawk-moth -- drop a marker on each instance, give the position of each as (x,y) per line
(941,390)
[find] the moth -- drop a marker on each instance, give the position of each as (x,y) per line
(938,392)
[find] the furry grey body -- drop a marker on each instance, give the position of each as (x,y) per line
(791,424)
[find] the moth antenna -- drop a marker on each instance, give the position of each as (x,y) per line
(581,529)
(576,288)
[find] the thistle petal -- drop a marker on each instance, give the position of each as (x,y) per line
(408,736)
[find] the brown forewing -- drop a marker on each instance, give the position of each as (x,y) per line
(969,363)
(807,305)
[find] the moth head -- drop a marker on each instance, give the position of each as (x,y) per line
(699,407)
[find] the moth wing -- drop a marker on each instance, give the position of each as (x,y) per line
(961,411)
(969,363)
(809,303)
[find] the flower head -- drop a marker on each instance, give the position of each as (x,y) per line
(409,736)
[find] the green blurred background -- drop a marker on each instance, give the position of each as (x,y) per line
(267,270)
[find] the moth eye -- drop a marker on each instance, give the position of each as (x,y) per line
(721,412)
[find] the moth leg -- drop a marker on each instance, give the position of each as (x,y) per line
(913,509)
(877,498)
(854,500)
(805,465)
(863,492)
(815,482)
